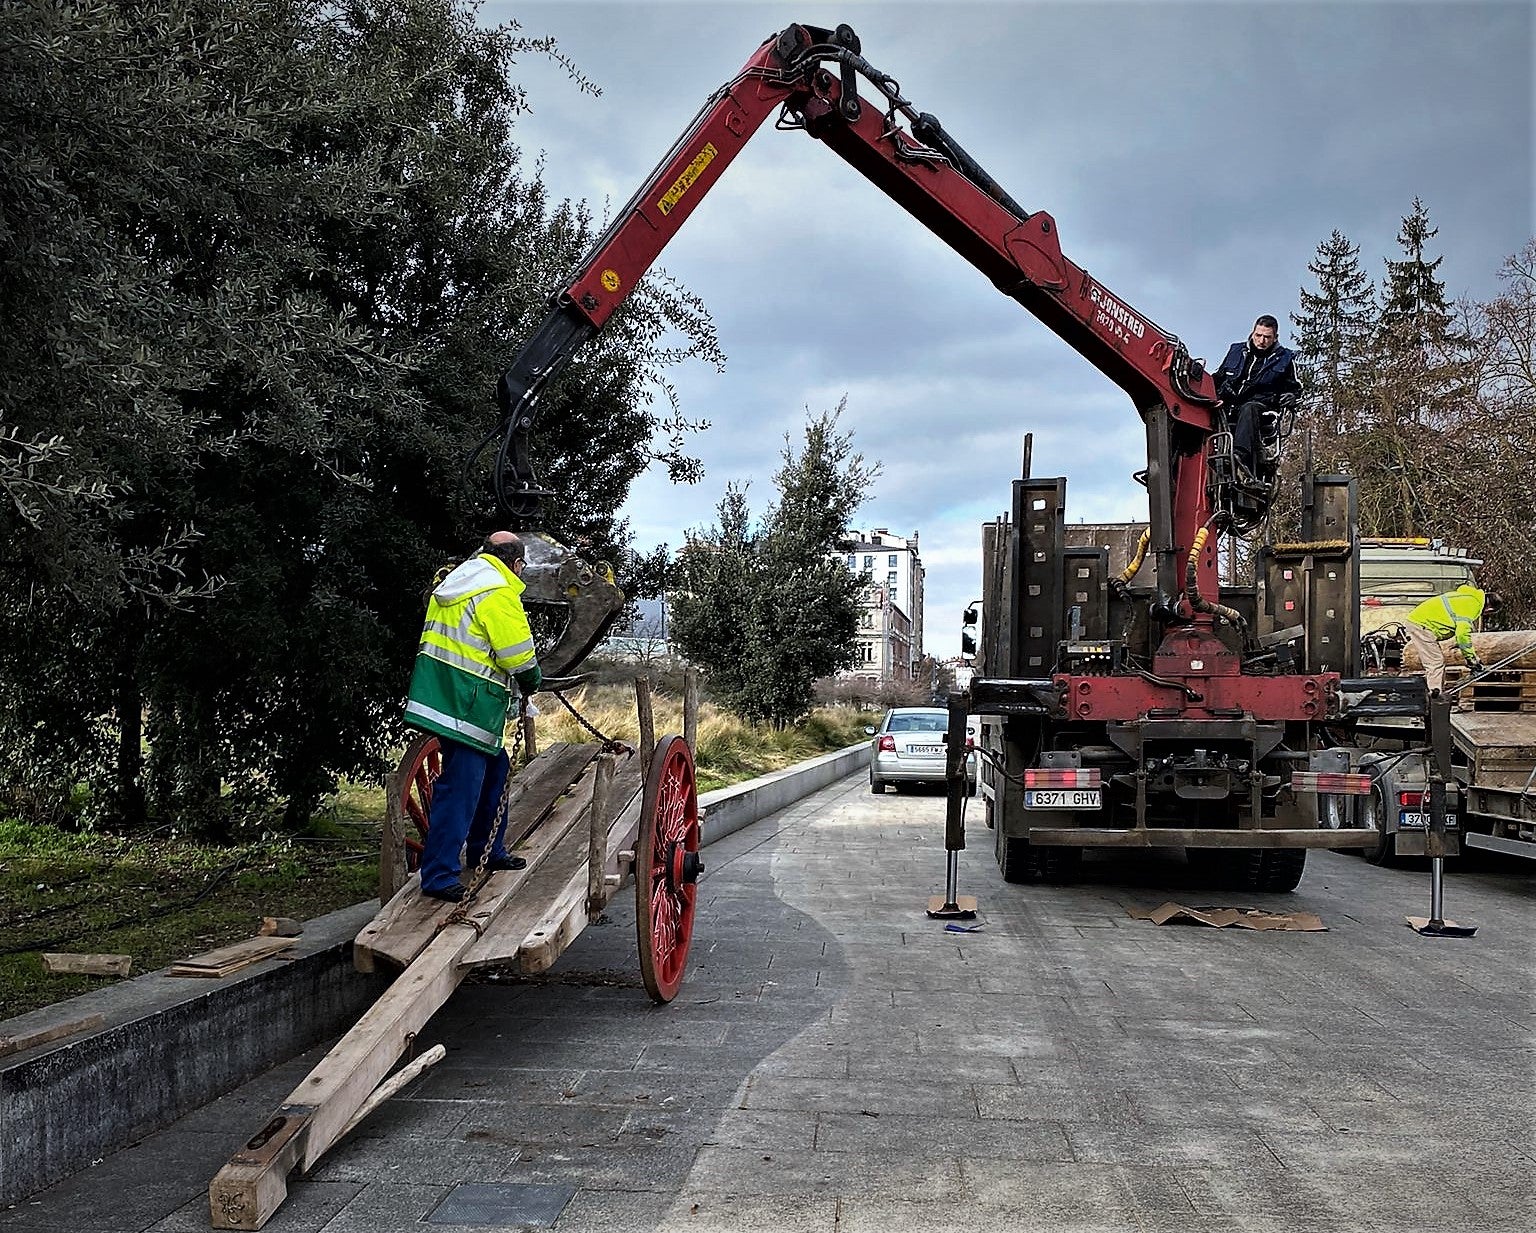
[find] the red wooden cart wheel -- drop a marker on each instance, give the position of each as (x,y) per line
(667,868)
(420,766)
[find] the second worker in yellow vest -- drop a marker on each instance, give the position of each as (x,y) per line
(1448,616)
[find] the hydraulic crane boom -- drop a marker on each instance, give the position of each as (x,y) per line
(810,77)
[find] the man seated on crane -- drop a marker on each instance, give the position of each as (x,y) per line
(1255,383)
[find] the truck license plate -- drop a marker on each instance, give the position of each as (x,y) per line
(1061,798)
(1420,821)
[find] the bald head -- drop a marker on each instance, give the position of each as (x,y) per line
(505,546)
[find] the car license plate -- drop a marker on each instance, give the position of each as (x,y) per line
(1062,798)
(1420,821)
(925,749)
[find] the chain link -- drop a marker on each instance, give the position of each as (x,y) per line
(610,745)
(460,913)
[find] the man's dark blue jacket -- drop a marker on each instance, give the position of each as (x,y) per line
(1274,375)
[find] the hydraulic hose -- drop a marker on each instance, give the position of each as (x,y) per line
(1122,584)
(1192,586)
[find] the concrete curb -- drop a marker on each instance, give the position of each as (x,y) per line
(172,1044)
(729,809)
(168,1048)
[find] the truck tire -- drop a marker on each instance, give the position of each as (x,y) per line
(1058,866)
(1219,868)
(1013,859)
(1373,811)
(1278,869)
(1248,869)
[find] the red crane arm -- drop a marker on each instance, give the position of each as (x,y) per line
(925,171)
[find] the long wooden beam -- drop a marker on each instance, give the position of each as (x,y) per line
(253,1184)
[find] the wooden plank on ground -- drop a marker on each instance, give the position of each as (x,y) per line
(504,939)
(225,960)
(64,963)
(50,1032)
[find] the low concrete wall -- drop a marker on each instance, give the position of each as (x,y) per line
(171,1044)
(729,809)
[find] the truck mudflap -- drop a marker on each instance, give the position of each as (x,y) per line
(1181,837)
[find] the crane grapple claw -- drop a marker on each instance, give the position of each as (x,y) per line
(573,602)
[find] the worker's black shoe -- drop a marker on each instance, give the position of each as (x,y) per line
(448,894)
(500,864)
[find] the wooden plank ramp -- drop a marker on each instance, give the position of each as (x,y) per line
(409,921)
(527,923)
(423,936)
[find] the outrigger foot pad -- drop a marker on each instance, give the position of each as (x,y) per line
(962,907)
(1425,927)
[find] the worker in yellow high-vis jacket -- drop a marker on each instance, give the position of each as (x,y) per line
(1448,616)
(476,647)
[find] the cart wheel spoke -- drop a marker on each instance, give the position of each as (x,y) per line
(420,766)
(666,867)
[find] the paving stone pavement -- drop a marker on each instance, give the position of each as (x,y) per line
(838,1063)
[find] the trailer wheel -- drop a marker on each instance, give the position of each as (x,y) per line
(667,868)
(1373,811)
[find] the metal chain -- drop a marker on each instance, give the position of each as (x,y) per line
(610,745)
(460,912)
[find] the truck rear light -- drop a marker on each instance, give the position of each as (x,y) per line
(887,744)
(1039,777)
(1331,783)
(1410,800)
(970,742)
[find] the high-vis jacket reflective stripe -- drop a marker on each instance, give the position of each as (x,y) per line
(1451,615)
(474,640)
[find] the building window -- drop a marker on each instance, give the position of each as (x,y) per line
(853,561)
(869,562)
(891,560)
(891,577)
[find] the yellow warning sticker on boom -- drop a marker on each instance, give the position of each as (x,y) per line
(684,182)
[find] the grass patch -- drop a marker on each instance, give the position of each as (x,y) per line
(158,898)
(729,751)
(161,897)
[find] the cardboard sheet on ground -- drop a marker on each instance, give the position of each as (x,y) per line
(1222,918)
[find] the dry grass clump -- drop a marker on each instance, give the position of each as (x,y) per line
(729,749)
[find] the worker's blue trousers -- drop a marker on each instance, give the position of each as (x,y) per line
(464,802)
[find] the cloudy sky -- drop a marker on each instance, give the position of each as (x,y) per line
(1193,156)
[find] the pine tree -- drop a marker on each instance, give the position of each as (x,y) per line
(766,609)
(1333,332)
(1414,309)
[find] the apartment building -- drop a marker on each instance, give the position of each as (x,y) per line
(891,620)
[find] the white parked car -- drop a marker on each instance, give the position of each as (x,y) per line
(909,747)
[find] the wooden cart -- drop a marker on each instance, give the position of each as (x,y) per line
(587,822)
